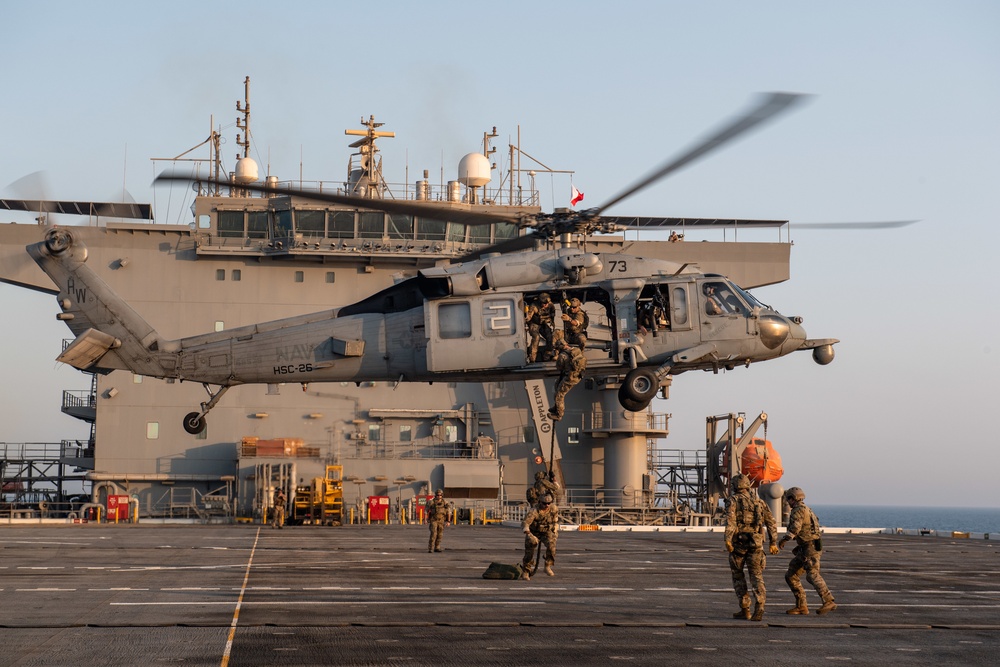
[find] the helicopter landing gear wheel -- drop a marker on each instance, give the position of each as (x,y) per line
(194,423)
(638,389)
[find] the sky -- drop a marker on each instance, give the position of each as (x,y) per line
(901,124)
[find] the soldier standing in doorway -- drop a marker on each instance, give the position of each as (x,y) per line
(746,519)
(575,324)
(437,517)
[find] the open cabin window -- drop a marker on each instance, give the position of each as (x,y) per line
(454,320)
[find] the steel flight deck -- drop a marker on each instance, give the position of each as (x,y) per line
(372,595)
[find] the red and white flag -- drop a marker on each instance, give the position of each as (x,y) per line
(576,196)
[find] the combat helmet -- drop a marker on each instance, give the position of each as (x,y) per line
(539,475)
(575,303)
(741,483)
(439,493)
(545,298)
(796,494)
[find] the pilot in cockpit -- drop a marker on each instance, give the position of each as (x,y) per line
(713,306)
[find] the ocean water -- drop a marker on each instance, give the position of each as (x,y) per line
(965,519)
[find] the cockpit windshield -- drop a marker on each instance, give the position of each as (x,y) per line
(750,298)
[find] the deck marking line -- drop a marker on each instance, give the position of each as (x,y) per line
(239,603)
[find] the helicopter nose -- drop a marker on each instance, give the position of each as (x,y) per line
(774,330)
(796,334)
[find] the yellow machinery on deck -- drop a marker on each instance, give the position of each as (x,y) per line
(321,503)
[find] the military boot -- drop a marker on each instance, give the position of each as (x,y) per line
(758,612)
(743,613)
(799,608)
(828,606)
(548,571)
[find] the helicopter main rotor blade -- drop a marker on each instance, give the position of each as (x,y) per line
(430,211)
(770,106)
(510,245)
(888,224)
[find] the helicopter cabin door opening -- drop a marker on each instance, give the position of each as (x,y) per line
(477,333)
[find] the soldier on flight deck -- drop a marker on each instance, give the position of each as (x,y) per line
(803,527)
(437,516)
(278,507)
(541,523)
(747,517)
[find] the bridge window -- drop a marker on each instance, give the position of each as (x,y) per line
(456,232)
(283,224)
(300,277)
(431,230)
(220,274)
(230,224)
(400,226)
(311,224)
(237,275)
(331,277)
(454,320)
(504,230)
(405,433)
(479,234)
(374,432)
(371,225)
(341,225)
(256,225)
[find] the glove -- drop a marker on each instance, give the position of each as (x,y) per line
(531,538)
(781,544)
(774,549)
(729,546)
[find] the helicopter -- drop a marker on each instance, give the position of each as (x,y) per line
(459,322)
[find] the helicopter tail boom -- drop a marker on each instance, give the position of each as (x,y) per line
(109,333)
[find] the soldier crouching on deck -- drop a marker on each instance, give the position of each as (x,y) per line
(541,524)
(803,527)
(746,518)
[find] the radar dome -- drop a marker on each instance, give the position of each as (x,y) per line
(474,170)
(246,171)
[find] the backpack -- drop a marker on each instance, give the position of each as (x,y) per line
(503,571)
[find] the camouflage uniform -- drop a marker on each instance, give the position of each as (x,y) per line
(278,509)
(541,524)
(546,319)
(538,317)
(571,364)
(575,325)
(803,527)
(437,515)
(541,487)
(746,518)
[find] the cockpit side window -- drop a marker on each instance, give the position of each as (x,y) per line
(721,299)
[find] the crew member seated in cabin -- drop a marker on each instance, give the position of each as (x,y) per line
(712,304)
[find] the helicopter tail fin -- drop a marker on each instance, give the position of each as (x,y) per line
(109,333)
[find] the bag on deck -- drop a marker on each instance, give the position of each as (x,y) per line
(503,571)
